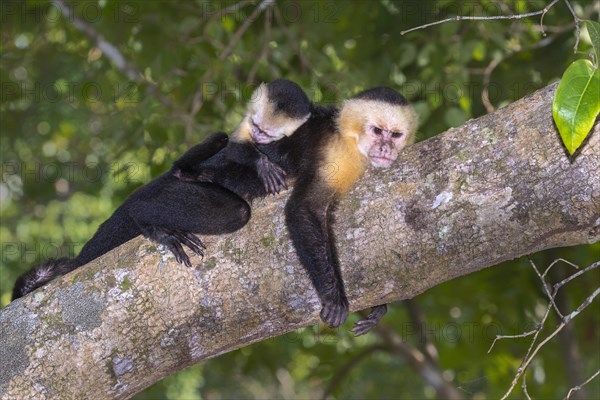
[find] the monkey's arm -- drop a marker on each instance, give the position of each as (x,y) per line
(245,154)
(187,167)
(308,213)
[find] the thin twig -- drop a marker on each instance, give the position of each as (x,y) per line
(265,49)
(580,386)
(532,352)
(487,72)
(522,335)
(577,27)
(345,370)
(418,320)
(547,287)
(197,100)
(575,275)
(541,12)
(304,62)
(110,51)
(524,387)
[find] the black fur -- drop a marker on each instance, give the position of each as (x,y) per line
(234,167)
(384,94)
(206,192)
(289,98)
(166,210)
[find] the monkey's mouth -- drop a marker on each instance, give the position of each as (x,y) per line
(381,162)
(260,136)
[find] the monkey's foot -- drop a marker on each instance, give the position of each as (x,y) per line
(272,175)
(191,241)
(334,313)
(173,240)
(365,325)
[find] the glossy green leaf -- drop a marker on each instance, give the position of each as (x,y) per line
(594,32)
(577,103)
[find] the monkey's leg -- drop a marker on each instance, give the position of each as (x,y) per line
(306,220)
(365,325)
(183,208)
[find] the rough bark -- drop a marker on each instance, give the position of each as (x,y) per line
(496,188)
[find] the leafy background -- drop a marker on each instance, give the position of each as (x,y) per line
(78,136)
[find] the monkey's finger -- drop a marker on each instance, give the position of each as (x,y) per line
(189,243)
(273,187)
(281,181)
(187,240)
(178,252)
(194,239)
(363,326)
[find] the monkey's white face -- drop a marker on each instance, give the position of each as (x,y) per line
(380,128)
(267,126)
(264,123)
(381,144)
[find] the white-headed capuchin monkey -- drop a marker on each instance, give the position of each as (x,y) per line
(327,155)
(174,207)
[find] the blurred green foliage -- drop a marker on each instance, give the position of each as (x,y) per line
(77,136)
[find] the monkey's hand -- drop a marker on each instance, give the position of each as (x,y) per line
(365,325)
(335,309)
(272,175)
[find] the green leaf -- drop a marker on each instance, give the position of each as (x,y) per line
(594,32)
(577,103)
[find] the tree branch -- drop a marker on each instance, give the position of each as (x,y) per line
(541,12)
(496,188)
(110,51)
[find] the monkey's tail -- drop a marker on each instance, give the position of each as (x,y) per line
(39,275)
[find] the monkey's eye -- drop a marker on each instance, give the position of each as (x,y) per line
(255,125)
(377,130)
(396,134)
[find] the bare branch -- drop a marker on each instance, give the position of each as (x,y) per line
(265,49)
(111,52)
(125,320)
(418,320)
(531,351)
(575,275)
(522,335)
(304,62)
(547,288)
(429,372)
(579,387)
(197,100)
(345,370)
(524,387)
(541,12)
(577,27)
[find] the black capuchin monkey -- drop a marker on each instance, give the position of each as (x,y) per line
(171,208)
(327,155)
